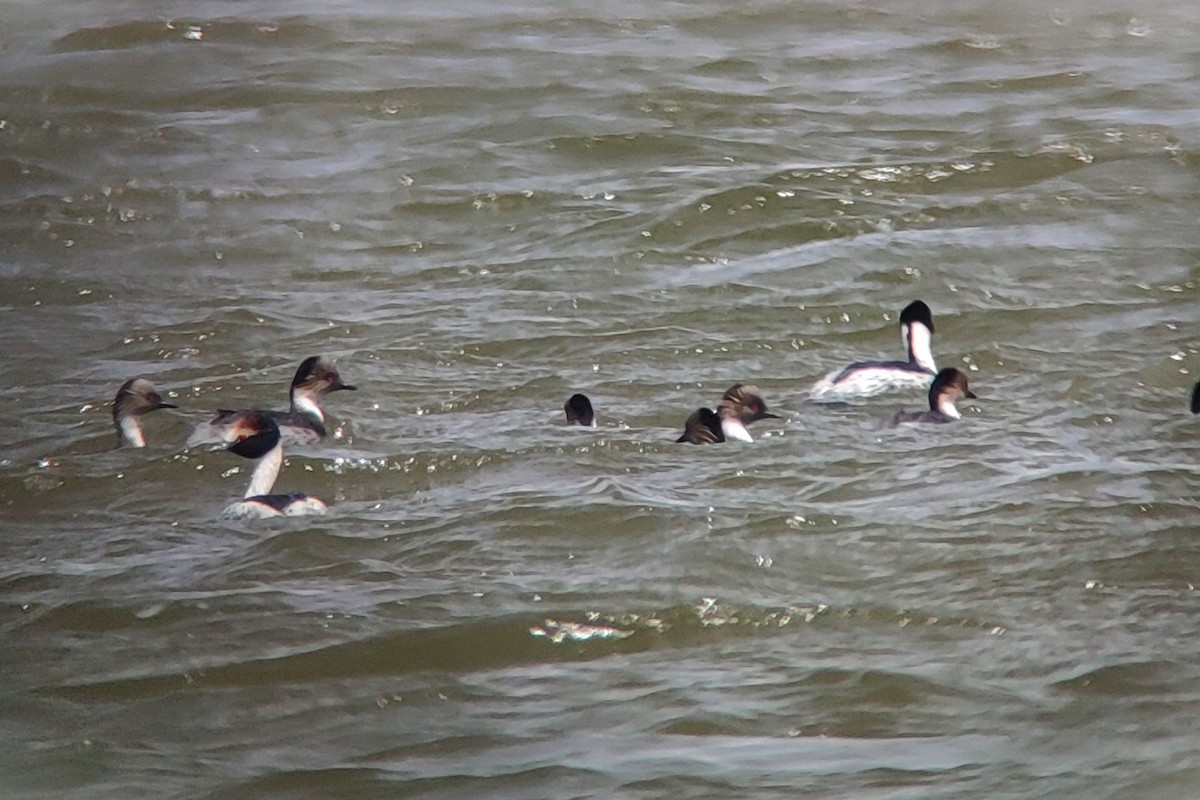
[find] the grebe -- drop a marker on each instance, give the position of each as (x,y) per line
(304,423)
(255,435)
(948,388)
(578,409)
(136,398)
(740,406)
(870,378)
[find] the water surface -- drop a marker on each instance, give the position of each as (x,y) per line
(481,209)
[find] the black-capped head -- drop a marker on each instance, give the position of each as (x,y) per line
(136,397)
(951,384)
(318,375)
(251,434)
(917,311)
(744,402)
(578,409)
(702,427)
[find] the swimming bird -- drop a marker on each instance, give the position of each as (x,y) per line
(255,435)
(870,378)
(136,398)
(741,405)
(578,409)
(1196,398)
(304,422)
(948,387)
(702,427)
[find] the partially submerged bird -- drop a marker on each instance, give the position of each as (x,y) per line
(304,422)
(740,406)
(702,427)
(136,398)
(948,387)
(870,378)
(255,435)
(578,409)
(1196,398)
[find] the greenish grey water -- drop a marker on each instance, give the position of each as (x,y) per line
(479,209)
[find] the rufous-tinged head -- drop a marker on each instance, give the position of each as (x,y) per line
(250,434)
(948,387)
(744,402)
(318,375)
(138,396)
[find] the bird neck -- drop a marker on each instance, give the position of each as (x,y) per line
(945,404)
(266,469)
(129,431)
(304,402)
(919,343)
(734,430)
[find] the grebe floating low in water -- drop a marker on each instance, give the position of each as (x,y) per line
(870,378)
(702,427)
(948,388)
(578,409)
(740,406)
(255,435)
(136,398)
(304,423)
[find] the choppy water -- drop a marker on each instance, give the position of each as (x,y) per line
(480,208)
